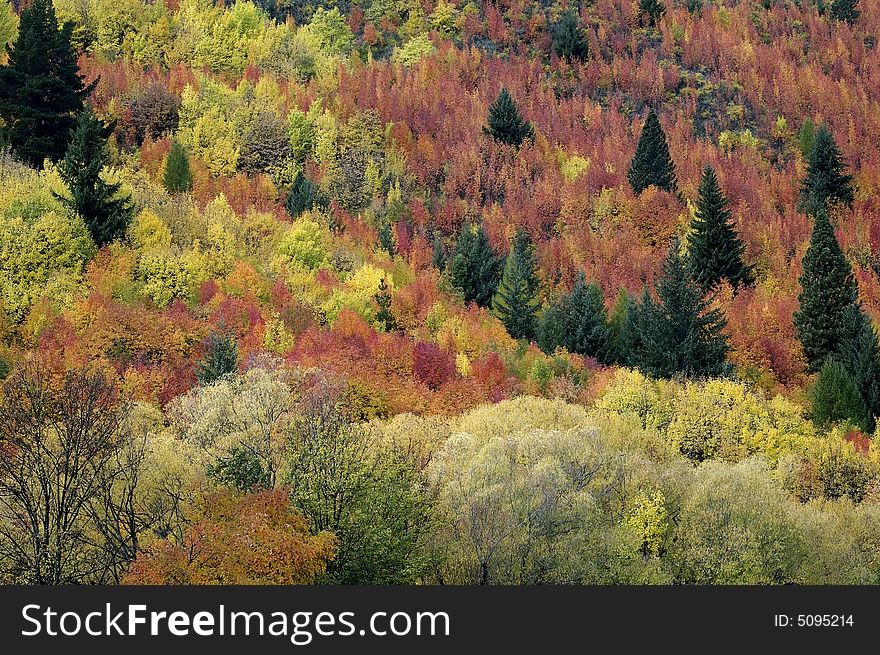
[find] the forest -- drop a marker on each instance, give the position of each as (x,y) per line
(398,292)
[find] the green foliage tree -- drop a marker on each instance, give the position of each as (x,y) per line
(178,176)
(652,163)
(474,267)
(827,180)
(828,293)
(241,470)
(579,323)
(618,326)
(438,259)
(845,11)
(806,136)
(651,10)
(303,195)
(836,398)
(679,333)
(860,356)
(386,236)
(221,358)
(41,90)
(385,316)
(505,123)
(515,302)
(568,38)
(105,213)
(715,251)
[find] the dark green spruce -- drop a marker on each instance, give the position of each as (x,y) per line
(845,11)
(106,213)
(715,251)
(41,90)
(178,176)
(516,301)
(826,181)
(652,163)
(569,41)
(220,358)
(579,323)
(828,295)
(505,123)
(474,267)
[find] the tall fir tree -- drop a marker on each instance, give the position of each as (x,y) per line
(828,295)
(652,163)
(384,315)
(836,398)
(438,258)
(715,251)
(860,356)
(569,41)
(631,345)
(220,358)
(386,236)
(617,326)
(178,176)
(106,213)
(505,123)
(41,90)
(680,333)
(303,195)
(474,267)
(827,180)
(845,11)
(584,321)
(516,301)
(650,11)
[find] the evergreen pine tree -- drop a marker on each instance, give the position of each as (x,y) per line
(386,236)
(585,322)
(516,301)
(631,342)
(438,260)
(41,90)
(860,356)
(505,124)
(221,358)
(806,136)
(551,330)
(652,10)
(617,325)
(828,294)
(826,180)
(715,250)
(474,267)
(835,397)
(652,163)
(680,333)
(568,38)
(105,213)
(384,316)
(303,195)
(845,10)
(178,176)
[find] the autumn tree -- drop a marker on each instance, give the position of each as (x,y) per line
(680,333)
(61,443)
(178,176)
(151,113)
(651,10)
(515,302)
(106,213)
(827,180)
(41,90)
(220,358)
(250,538)
(568,38)
(828,294)
(505,124)
(474,267)
(715,251)
(652,164)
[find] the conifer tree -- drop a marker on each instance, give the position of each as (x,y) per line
(631,344)
(551,331)
(178,176)
(41,90)
(826,180)
(386,236)
(516,301)
(303,195)
(652,163)
(438,260)
(568,38)
(845,10)
(835,397)
(505,124)
(617,326)
(680,333)
(474,267)
(651,10)
(715,251)
(221,358)
(828,295)
(860,356)
(578,322)
(104,211)
(384,316)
